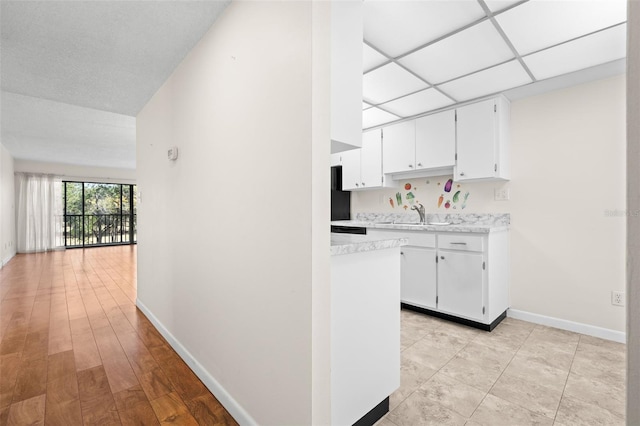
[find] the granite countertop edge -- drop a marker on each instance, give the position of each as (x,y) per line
(463,227)
(348,244)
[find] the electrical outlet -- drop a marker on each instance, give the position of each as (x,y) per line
(501,194)
(617,298)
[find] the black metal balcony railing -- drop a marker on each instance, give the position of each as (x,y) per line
(95,229)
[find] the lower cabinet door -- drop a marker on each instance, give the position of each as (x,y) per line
(461,284)
(418,278)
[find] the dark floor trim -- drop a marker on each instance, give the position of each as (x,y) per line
(375,414)
(475,324)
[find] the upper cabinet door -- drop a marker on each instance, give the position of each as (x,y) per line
(371,159)
(351,170)
(346,75)
(476,141)
(436,140)
(398,147)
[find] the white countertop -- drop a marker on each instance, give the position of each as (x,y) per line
(462,227)
(352,243)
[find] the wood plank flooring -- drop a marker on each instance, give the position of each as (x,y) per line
(74,349)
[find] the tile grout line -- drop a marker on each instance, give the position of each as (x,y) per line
(501,373)
(567,379)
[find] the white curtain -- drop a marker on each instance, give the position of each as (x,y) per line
(38,212)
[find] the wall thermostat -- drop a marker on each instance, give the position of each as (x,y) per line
(172,153)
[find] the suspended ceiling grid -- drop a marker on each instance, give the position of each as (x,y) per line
(420,56)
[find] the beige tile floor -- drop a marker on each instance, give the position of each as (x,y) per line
(519,374)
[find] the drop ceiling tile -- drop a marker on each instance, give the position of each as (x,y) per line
(478,47)
(389,82)
(538,24)
(426,100)
(371,58)
(375,116)
(489,81)
(397,27)
(595,49)
(498,5)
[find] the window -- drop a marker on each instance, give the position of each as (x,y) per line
(98,214)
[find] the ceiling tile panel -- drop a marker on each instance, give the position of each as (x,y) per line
(395,27)
(489,81)
(375,116)
(498,5)
(389,82)
(478,47)
(371,58)
(417,103)
(538,24)
(584,52)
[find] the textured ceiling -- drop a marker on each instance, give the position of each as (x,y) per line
(106,56)
(41,130)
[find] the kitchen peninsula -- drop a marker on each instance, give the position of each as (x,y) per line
(365,326)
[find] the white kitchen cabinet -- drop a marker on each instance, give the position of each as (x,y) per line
(362,168)
(482,141)
(469,280)
(436,141)
(399,147)
(350,169)
(418,265)
(461,284)
(336,159)
(346,75)
(418,277)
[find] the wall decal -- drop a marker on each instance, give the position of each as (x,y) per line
(410,197)
(440,200)
(447,204)
(407,186)
(399,198)
(447,186)
(391,202)
(455,196)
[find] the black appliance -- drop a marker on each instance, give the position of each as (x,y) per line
(340,200)
(341,204)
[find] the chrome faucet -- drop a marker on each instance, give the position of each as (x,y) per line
(420,211)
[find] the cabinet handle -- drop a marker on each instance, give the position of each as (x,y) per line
(357,184)
(402,253)
(362,183)
(461,173)
(419,164)
(442,257)
(461,244)
(411,166)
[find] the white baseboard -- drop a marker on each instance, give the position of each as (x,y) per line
(227,401)
(7,259)
(577,327)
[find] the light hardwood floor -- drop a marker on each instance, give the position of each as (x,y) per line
(75,350)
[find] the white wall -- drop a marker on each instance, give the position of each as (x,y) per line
(568,171)
(78,173)
(226,257)
(7,207)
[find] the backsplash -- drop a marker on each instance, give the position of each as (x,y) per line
(452,195)
(437,194)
